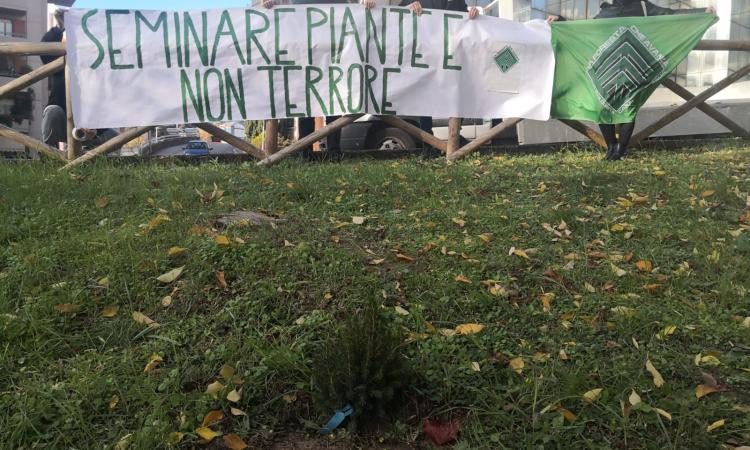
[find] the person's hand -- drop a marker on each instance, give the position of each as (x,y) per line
(473,13)
(369,4)
(711,10)
(553,18)
(268,4)
(416,7)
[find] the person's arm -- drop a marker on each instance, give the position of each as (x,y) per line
(553,18)
(369,4)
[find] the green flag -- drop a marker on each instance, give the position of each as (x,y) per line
(606,69)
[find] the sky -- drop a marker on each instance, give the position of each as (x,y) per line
(161,4)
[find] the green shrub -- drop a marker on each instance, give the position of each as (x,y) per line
(361,365)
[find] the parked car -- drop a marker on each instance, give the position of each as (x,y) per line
(370,133)
(196,148)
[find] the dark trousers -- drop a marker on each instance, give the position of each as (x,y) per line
(307,126)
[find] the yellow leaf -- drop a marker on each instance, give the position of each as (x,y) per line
(459,222)
(170,276)
(447,332)
(658,380)
(593,395)
(207,434)
(403,257)
(401,311)
(663,413)
(624,311)
(227,372)
(708,360)
(234,395)
(516,364)
(143,319)
(666,331)
(153,361)
(462,279)
(546,300)
(214,388)
(101,202)
(166,301)
(703,389)
(486,237)
(110,311)
(289,398)
(104,281)
(634,399)
(358,220)
(237,412)
(708,193)
(124,442)
(617,271)
(520,253)
(718,424)
(175,437)
(176,251)
(233,442)
(377,262)
(114,401)
(475,367)
(212,417)
(643,265)
(469,328)
(562,355)
(67,308)
(221,239)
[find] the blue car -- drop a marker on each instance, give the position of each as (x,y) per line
(196,148)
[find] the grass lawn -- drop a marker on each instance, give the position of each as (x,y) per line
(592,280)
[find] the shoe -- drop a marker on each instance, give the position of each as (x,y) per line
(621,152)
(612,151)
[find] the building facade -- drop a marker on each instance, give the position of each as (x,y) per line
(22,21)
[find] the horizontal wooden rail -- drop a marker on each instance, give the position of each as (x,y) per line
(489,135)
(30,142)
(32,48)
(415,131)
(32,77)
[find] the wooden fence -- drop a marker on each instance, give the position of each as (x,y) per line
(270,154)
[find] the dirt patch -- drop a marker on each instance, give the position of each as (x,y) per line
(300,441)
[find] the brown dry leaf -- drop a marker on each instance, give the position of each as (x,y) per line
(214,388)
(212,417)
(469,328)
(171,276)
(592,395)
(718,424)
(462,279)
(663,413)
(144,319)
(516,364)
(546,300)
(207,434)
(377,262)
(110,311)
(221,280)
(643,265)
(703,389)
(234,395)
(227,372)
(708,193)
(658,380)
(458,221)
(113,401)
(237,412)
(67,308)
(166,301)
(173,251)
(153,361)
(233,442)
(221,239)
(403,257)
(101,202)
(617,271)
(427,247)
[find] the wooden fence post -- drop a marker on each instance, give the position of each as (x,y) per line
(74,146)
(454,136)
(30,142)
(486,137)
(271,138)
(32,77)
(595,137)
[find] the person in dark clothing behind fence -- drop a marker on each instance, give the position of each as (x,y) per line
(617,145)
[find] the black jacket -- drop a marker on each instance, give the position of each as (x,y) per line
(445,5)
(57,80)
(634,8)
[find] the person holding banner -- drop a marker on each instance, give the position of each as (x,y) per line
(617,142)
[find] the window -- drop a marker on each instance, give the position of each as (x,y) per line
(12,23)
(14,66)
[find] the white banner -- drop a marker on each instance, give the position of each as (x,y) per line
(134,68)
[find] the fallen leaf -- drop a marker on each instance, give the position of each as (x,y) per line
(663,413)
(703,389)
(237,412)
(170,276)
(227,372)
(67,308)
(212,417)
(143,319)
(289,398)
(358,220)
(617,271)
(634,399)
(658,380)
(233,442)
(718,424)
(625,311)
(207,434)
(475,367)
(173,251)
(104,281)
(175,437)
(166,301)
(221,239)
(401,311)
(708,193)
(516,364)
(214,388)
(234,395)
(462,279)
(153,361)
(458,221)
(114,401)
(469,328)
(546,299)
(592,395)
(520,253)
(221,280)
(110,311)
(486,237)
(101,202)
(377,262)
(708,360)
(403,257)
(643,265)
(441,432)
